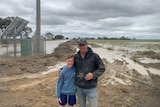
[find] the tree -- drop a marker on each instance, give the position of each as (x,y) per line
(27,30)
(4,23)
(59,37)
(124,38)
(49,35)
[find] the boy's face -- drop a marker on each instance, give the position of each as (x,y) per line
(70,62)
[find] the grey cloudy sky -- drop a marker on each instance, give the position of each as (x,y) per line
(92,18)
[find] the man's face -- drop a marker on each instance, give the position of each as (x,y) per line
(83,48)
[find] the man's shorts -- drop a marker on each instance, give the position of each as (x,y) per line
(70,99)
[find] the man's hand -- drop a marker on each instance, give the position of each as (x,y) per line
(59,71)
(89,76)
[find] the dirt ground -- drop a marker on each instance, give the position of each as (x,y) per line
(117,87)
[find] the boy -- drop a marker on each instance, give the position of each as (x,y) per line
(65,88)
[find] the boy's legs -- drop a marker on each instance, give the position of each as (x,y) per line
(63,100)
(71,100)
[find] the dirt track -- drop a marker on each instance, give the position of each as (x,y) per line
(40,91)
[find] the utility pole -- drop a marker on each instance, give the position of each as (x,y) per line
(38,18)
(38,42)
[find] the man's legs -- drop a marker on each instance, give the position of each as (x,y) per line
(92,97)
(81,97)
(91,94)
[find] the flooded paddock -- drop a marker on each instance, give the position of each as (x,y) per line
(141,56)
(9,50)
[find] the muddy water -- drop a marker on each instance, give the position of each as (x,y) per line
(115,55)
(133,47)
(49,47)
(119,51)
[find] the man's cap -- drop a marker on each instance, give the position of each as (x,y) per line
(81,41)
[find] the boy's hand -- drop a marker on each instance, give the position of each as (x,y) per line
(59,100)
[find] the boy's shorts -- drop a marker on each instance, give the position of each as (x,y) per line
(70,99)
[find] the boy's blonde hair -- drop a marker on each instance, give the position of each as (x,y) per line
(70,56)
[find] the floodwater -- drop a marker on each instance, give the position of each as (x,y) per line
(115,55)
(110,55)
(120,53)
(49,47)
(133,47)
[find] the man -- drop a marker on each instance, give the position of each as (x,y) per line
(89,66)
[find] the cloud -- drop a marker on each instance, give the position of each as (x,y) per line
(90,17)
